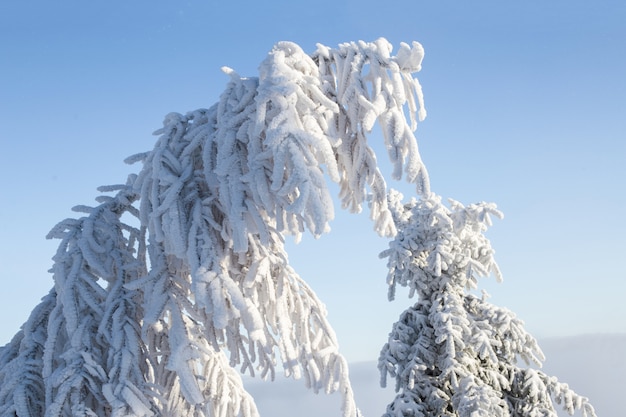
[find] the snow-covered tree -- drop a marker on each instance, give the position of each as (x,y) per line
(453,353)
(179,276)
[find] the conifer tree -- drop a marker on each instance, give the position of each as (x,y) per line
(178,279)
(453,353)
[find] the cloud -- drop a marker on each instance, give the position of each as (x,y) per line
(593,365)
(286,397)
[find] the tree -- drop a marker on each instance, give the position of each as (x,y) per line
(180,275)
(453,353)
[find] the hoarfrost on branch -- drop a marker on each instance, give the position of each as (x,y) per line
(163,289)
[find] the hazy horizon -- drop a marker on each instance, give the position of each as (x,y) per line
(592,365)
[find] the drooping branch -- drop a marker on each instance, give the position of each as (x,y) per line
(223,185)
(22,389)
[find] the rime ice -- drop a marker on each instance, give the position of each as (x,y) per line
(198,284)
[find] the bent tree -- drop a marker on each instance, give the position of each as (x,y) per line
(179,276)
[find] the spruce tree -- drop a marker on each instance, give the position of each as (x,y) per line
(454,353)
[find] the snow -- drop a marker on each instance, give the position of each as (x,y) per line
(214,199)
(156,318)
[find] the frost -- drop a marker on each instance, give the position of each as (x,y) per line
(452,353)
(181,276)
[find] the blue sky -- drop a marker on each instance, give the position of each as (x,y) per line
(525,100)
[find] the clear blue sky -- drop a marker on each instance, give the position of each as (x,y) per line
(526,108)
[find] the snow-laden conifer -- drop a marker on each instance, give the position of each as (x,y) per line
(453,353)
(180,279)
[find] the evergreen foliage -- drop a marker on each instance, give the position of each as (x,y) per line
(178,280)
(453,353)
(167,286)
